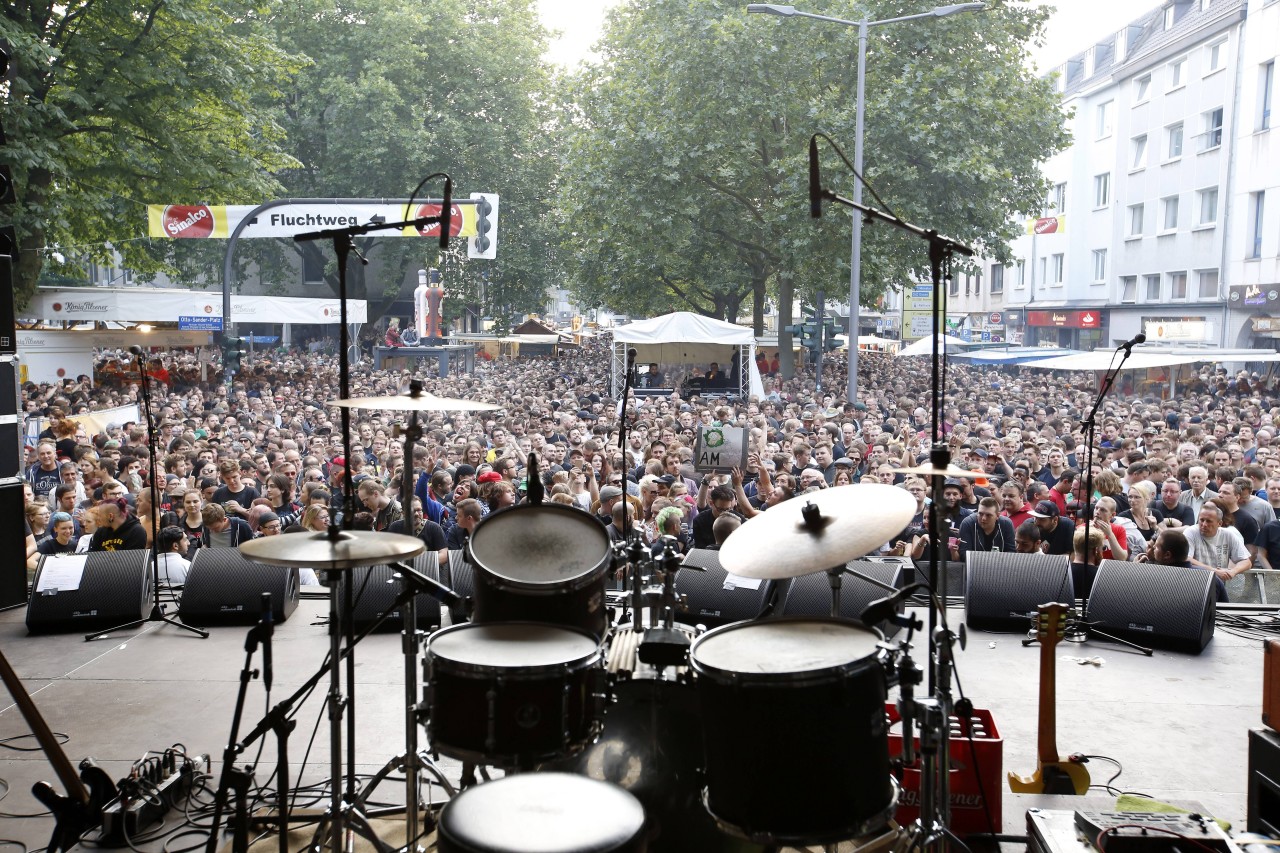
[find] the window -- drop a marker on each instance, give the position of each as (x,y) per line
(1058,198)
(1020,276)
(1059,263)
(1129,289)
(1215,56)
(1099,265)
(1044,270)
(1102,190)
(1173,137)
(1178,73)
(1153,287)
(1142,89)
(313,270)
(1212,137)
(1169,219)
(1208,206)
(1177,285)
(1102,125)
(997,279)
(1257,207)
(1208,284)
(1266,82)
(954,288)
(1169,16)
(1136,213)
(1138,149)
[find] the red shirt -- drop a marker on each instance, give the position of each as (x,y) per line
(1020,515)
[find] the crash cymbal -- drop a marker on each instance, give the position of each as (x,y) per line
(949,471)
(850,522)
(419,403)
(317,551)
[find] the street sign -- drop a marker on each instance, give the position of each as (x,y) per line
(200,324)
(261,339)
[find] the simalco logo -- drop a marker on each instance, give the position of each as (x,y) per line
(187,220)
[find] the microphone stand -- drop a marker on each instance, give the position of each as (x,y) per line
(632,549)
(935,726)
(157,610)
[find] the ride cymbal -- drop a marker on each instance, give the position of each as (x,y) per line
(317,551)
(791,539)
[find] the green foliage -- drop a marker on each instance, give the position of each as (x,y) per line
(684,175)
(113,104)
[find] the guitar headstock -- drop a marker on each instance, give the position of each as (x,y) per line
(1051,623)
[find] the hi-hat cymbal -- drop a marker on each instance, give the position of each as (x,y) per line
(317,551)
(852,521)
(419,403)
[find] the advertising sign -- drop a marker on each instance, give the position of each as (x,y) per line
(212,221)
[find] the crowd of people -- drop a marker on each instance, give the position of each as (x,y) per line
(264,455)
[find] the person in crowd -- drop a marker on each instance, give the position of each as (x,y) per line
(118,528)
(172,547)
(1217,548)
(222,530)
(63,538)
(986,530)
(1056,531)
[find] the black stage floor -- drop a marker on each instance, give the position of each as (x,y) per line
(1177,722)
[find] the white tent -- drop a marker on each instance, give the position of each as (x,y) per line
(188,307)
(687,338)
(925,346)
(1105,359)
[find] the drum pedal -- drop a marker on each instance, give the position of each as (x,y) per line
(664,647)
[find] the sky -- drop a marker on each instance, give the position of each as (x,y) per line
(1075,25)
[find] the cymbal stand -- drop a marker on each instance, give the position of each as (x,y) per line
(936,729)
(342,802)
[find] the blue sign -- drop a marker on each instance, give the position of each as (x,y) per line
(261,339)
(200,324)
(986,337)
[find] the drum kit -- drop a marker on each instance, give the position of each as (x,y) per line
(615,727)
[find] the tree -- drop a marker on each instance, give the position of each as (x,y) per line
(684,172)
(111,105)
(399,89)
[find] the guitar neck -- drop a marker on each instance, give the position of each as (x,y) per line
(62,766)
(1047,739)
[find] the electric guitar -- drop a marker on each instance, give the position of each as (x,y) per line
(1053,773)
(87,793)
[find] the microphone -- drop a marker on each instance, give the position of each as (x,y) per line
(446,212)
(268,629)
(815,180)
(883,609)
(135,349)
(533,481)
(1128,345)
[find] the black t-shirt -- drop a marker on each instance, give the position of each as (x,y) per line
(43,482)
(1060,537)
(52,546)
(431,534)
(245,497)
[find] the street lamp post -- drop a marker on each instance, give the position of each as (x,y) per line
(855,252)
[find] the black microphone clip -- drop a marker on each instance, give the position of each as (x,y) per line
(446,213)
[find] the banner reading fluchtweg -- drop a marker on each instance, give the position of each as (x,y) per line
(213,221)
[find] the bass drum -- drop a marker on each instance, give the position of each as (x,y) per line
(544,563)
(651,744)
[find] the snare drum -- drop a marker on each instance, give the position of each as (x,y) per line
(796,736)
(512,694)
(543,813)
(544,563)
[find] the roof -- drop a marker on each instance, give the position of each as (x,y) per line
(683,327)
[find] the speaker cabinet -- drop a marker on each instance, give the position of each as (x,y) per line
(460,577)
(223,588)
(1264,782)
(714,598)
(1271,684)
(810,595)
(12,455)
(13,556)
(89,592)
(1167,607)
(955,572)
(1002,590)
(376,589)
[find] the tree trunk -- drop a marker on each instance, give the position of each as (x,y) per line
(29,258)
(786,294)
(757,302)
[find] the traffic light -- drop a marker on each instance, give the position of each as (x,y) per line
(485,243)
(232,350)
(830,339)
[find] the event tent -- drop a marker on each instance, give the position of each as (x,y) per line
(683,337)
(925,346)
(174,305)
(1012,355)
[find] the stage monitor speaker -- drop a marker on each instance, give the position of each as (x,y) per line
(810,595)
(459,576)
(1167,607)
(223,588)
(13,557)
(1264,782)
(89,592)
(1271,684)
(376,589)
(12,456)
(714,598)
(955,576)
(1002,589)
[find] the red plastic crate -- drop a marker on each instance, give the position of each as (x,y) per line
(985,756)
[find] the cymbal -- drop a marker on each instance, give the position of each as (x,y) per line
(949,471)
(853,520)
(316,551)
(420,403)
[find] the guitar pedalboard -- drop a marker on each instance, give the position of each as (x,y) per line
(1062,831)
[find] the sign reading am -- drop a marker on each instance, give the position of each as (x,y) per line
(720,448)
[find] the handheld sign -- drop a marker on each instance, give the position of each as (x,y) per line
(720,448)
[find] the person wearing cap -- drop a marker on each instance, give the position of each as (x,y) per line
(118,529)
(1055,530)
(986,530)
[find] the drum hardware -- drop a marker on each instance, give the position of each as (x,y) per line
(663,645)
